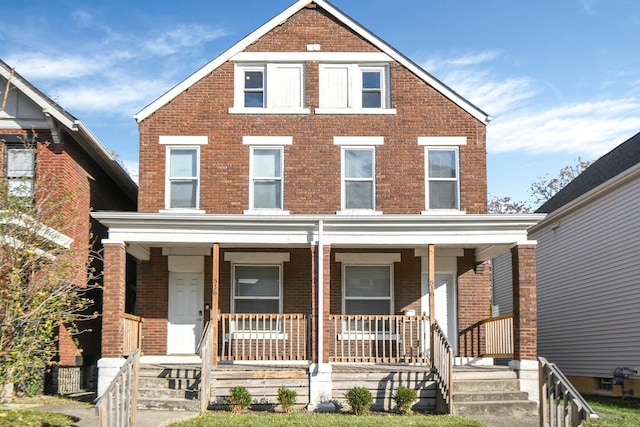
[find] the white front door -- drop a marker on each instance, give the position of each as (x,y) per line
(445,305)
(184,327)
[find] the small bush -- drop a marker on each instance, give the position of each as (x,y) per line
(360,400)
(239,398)
(404,399)
(287,398)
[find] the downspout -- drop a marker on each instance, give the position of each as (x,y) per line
(320,323)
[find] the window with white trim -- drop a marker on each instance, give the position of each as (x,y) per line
(271,87)
(357,88)
(21,167)
(266,177)
(442,178)
(183,170)
(367,290)
(257,289)
(358,178)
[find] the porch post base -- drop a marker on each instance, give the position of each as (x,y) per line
(108,368)
(320,388)
(529,375)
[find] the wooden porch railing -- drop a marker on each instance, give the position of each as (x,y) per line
(256,337)
(492,337)
(560,402)
(443,365)
(205,349)
(379,338)
(499,336)
(118,405)
(132,333)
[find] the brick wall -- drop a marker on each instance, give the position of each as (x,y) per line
(524,302)
(473,304)
(312,163)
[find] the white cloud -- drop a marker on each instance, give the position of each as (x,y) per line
(41,66)
(523,121)
(182,37)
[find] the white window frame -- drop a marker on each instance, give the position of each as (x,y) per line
(24,178)
(268,87)
(344,179)
(266,142)
(428,179)
(354,89)
(253,179)
(169,179)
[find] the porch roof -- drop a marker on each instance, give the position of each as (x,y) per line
(488,235)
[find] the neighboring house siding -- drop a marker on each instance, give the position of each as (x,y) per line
(312,163)
(589,286)
(501,285)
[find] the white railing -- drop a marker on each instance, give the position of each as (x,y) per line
(117,405)
(205,349)
(560,402)
(443,365)
(132,333)
(499,336)
(256,337)
(378,338)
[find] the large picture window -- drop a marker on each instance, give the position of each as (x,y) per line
(367,289)
(257,290)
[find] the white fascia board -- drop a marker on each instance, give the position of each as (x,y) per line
(218,61)
(283,16)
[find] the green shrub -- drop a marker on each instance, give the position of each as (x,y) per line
(360,400)
(404,399)
(287,398)
(239,398)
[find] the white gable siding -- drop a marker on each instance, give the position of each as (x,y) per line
(501,285)
(588,279)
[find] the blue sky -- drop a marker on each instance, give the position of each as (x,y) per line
(561,78)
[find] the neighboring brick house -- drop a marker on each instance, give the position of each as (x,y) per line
(67,158)
(312,170)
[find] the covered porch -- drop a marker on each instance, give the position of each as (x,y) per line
(316,290)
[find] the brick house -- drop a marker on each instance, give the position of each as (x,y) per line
(72,159)
(306,191)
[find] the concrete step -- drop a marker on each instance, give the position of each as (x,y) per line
(169,404)
(161,393)
(173,383)
(170,371)
(503,408)
(477,385)
(491,396)
(480,373)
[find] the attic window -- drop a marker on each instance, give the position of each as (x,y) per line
(269,88)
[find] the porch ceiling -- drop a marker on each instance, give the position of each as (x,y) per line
(488,235)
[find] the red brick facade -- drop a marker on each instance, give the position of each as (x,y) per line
(524,302)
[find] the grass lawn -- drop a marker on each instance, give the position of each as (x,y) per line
(33,418)
(299,419)
(616,412)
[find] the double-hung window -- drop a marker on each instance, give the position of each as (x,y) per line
(358,178)
(21,168)
(442,172)
(182,171)
(354,88)
(257,289)
(269,88)
(266,177)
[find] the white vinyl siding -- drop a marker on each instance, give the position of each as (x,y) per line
(588,286)
(501,285)
(272,87)
(21,164)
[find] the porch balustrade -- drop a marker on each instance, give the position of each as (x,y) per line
(379,339)
(256,337)
(132,333)
(499,336)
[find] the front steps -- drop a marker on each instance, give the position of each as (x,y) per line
(169,387)
(489,390)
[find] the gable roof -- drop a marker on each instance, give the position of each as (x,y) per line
(86,139)
(612,164)
(345,20)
